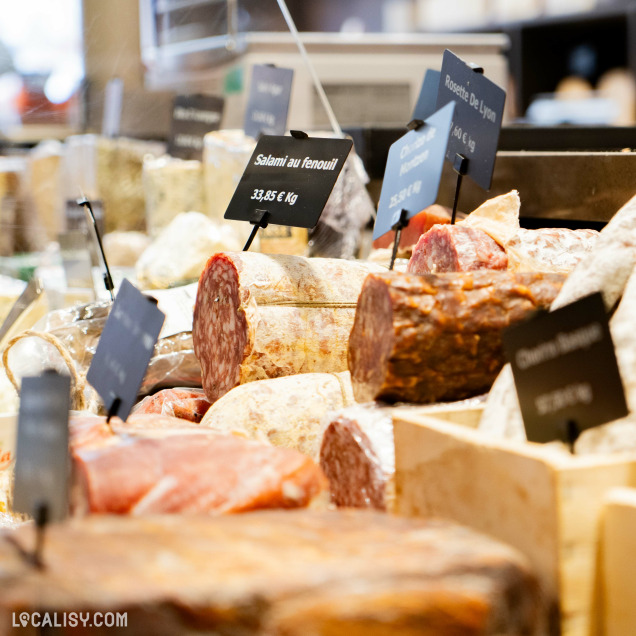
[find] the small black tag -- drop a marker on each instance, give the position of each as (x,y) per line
(268,103)
(413,171)
(192,117)
(427,100)
(565,371)
(290,179)
(125,348)
(476,124)
(42,458)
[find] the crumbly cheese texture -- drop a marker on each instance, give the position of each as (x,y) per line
(171,186)
(181,250)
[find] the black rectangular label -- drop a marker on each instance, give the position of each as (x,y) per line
(289,178)
(42,458)
(427,100)
(477,121)
(413,171)
(565,370)
(125,348)
(268,102)
(193,116)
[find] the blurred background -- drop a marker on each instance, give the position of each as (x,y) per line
(561,61)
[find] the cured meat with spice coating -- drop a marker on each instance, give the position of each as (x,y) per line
(437,337)
(456,248)
(260,316)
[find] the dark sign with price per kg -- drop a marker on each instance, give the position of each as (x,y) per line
(289,178)
(125,348)
(565,370)
(268,102)
(413,171)
(474,132)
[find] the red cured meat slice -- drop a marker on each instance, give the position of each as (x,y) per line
(192,473)
(184,403)
(456,248)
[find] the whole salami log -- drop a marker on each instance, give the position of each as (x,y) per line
(437,337)
(285,412)
(456,248)
(261,316)
(284,573)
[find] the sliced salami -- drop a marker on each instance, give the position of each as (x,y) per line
(437,337)
(456,248)
(261,316)
(358,458)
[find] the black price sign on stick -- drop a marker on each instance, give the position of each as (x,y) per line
(124,349)
(192,117)
(268,103)
(42,460)
(288,181)
(413,172)
(565,371)
(427,101)
(474,133)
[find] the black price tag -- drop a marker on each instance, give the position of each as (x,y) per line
(42,458)
(268,103)
(565,371)
(125,348)
(427,100)
(290,179)
(413,171)
(192,117)
(475,129)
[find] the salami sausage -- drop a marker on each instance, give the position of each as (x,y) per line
(437,337)
(285,411)
(357,457)
(456,248)
(357,452)
(261,316)
(549,249)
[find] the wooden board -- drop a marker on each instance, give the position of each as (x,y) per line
(619,562)
(544,502)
